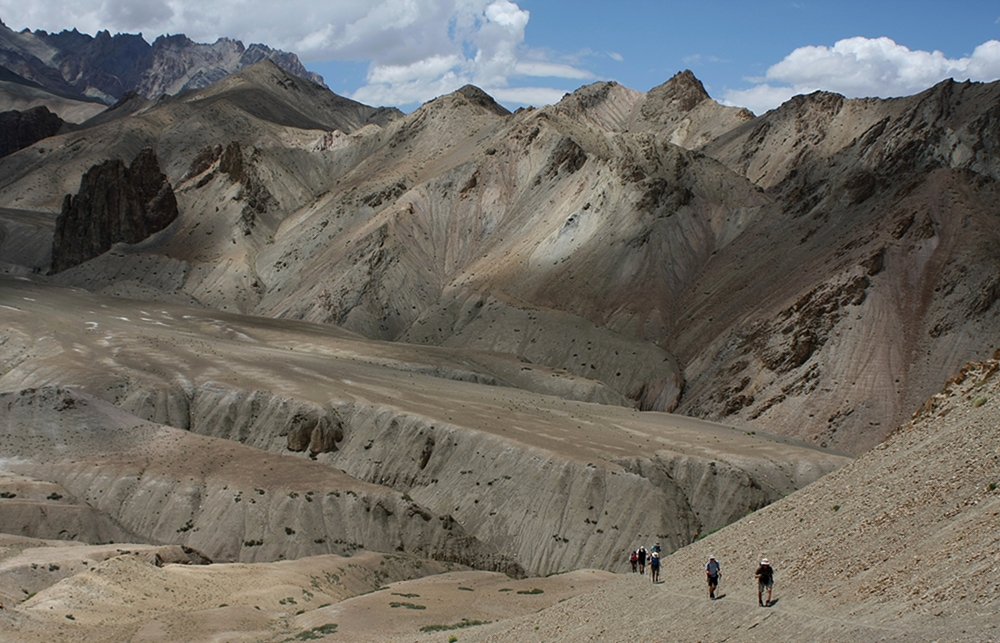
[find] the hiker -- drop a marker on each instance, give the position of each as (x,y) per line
(654,566)
(712,570)
(634,559)
(656,548)
(765,579)
(642,559)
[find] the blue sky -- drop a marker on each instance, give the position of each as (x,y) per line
(403,52)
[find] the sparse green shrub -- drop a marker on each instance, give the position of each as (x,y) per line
(836,507)
(979,401)
(531,591)
(465,622)
(409,606)
(316,632)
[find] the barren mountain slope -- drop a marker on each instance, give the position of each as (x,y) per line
(900,545)
(550,483)
(824,302)
(19,94)
(261,106)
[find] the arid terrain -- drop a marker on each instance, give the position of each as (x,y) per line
(276,365)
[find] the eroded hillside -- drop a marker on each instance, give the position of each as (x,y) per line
(537,482)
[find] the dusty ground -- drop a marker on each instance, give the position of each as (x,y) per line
(108,595)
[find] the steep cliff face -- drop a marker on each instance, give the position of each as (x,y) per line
(115,204)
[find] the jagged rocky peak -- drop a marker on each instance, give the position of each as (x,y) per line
(476,96)
(604,104)
(684,89)
(115,204)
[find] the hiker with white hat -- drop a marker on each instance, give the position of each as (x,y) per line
(713,570)
(765,580)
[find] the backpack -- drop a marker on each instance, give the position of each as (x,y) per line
(634,557)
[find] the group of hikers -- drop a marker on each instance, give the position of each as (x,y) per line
(641,556)
(713,572)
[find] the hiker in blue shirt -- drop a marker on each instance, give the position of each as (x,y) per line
(654,566)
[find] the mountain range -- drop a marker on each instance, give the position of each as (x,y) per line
(105,67)
(261,321)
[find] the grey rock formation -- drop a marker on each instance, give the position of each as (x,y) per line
(115,204)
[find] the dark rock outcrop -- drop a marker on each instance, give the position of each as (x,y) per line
(19,130)
(115,204)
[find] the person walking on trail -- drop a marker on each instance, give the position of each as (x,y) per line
(634,559)
(765,580)
(642,559)
(654,566)
(712,570)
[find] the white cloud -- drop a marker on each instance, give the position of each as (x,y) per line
(614,55)
(857,67)
(551,70)
(760,98)
(526,95)
(416,49)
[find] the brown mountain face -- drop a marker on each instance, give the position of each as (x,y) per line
(816,271)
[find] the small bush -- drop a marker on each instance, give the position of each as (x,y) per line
(316,632)
(409,606)
(454,626)
(531,591)
(836,507)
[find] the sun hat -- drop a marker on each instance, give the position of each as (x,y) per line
(763,561)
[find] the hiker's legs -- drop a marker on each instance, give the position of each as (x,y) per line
(769,595)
